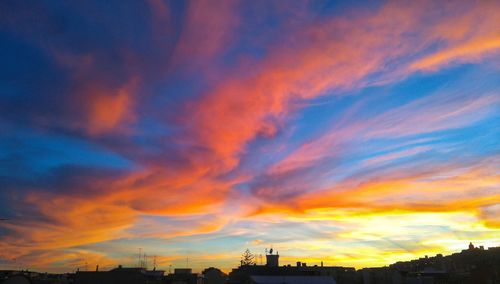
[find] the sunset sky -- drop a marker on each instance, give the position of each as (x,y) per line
(354,134)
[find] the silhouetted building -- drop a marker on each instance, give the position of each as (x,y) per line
(474,265)
(17,279)
(120,275)
(213,275)
(272,260)
(471,246)
(21,276)
(184,276)
(271,272)
(291,280)
(155,274)
(116,276)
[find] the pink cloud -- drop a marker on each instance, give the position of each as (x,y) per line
(327,55)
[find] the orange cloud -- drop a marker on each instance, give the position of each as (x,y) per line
(467,39)
(66,222)
(80,218)
(432,191)
(109,111)
(468,52)
(339,53)
(334,54)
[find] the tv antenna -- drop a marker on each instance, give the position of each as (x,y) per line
(140,253)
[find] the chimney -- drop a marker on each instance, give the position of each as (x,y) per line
(298,264)
(304,264)
(97,268)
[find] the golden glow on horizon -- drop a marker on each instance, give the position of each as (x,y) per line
(222,168)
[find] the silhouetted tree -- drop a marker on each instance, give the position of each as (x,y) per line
(247,258)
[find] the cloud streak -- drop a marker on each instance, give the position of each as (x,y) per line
(169,124)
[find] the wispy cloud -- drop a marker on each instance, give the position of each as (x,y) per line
(193,122)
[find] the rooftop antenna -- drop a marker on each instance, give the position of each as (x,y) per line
(140,252)
(154,262)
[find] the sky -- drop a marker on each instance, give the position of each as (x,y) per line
(357,134)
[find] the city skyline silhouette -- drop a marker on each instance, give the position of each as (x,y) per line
(178,134)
